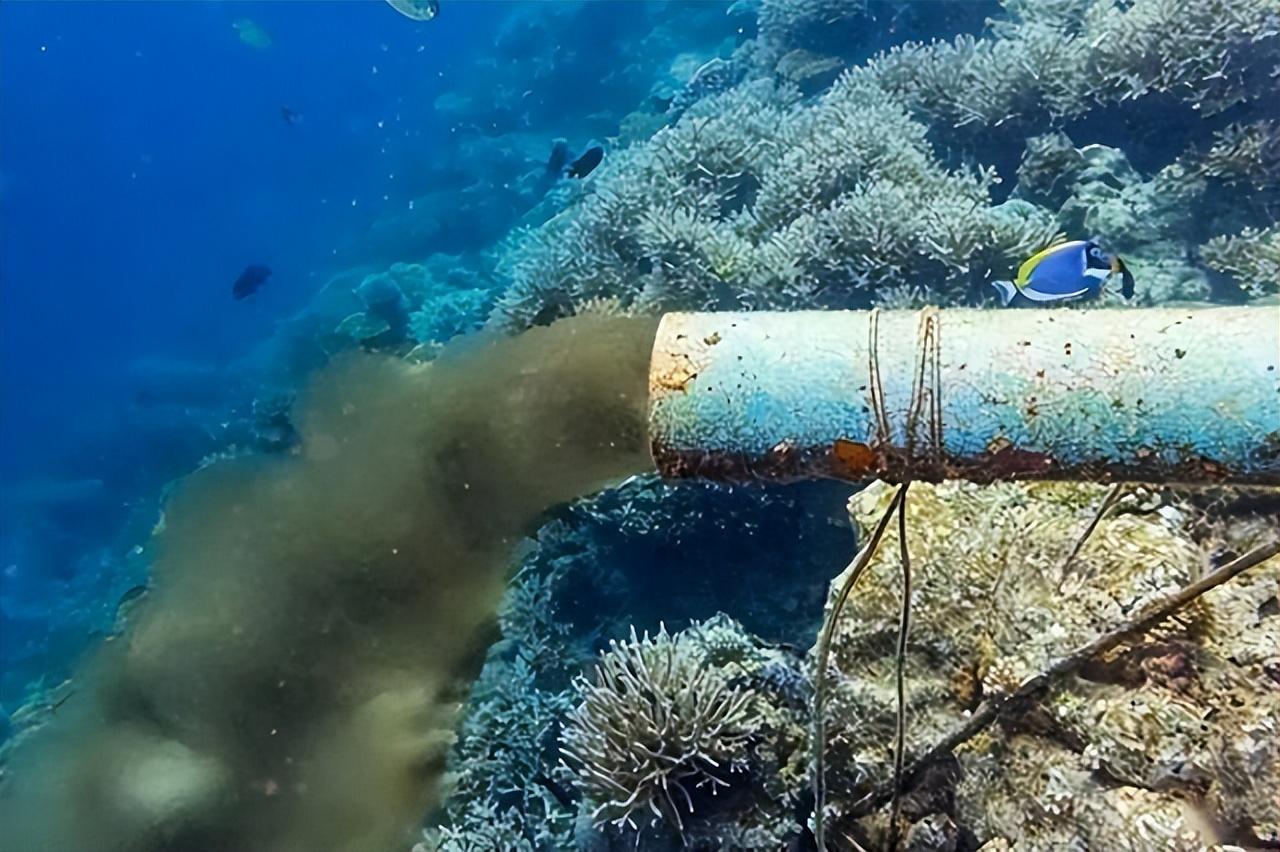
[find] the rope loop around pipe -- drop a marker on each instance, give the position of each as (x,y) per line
(926,387)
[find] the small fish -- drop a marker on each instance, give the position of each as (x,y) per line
(1063,272)
(558,791)
(291,116)
(586,164)
(418,10)
(251,34)
(250,281)
(129,602)
(559,157)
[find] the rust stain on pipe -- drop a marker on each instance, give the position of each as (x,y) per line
(1156,395)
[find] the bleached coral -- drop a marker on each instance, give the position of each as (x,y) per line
(1245,154)
(758,197)
(823,25)
(1251,257)
(1063,58)
(485,827)
(506,748)
(658,727)
(754,200)
(1212,53)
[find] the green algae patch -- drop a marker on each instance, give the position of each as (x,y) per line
(293,680)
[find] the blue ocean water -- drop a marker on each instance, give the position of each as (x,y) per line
(205,499)
(153,151)
(147,162)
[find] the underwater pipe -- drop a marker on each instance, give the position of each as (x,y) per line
(292,679)
(1154,395)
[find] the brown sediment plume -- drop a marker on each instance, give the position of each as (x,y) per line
(291,682)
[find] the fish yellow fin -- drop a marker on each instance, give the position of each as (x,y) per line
(1029,265)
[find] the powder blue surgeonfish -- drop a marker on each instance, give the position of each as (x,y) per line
(1062,273)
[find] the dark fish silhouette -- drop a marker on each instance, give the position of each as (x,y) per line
(291,116)
(250,281)
(557,790)
(586,164)
(559,157)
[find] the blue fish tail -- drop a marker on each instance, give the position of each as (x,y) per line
(1006,290)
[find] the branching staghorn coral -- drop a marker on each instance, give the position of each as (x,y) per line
(1251,257)
(849,29)
(658,729)
(505,780)
(1062,58)
(824,26)
(506,749)
(755,200)
(1213,54)
(1247,154)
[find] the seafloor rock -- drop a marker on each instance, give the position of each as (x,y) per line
(1183,714)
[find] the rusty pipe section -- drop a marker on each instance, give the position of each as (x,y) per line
(1155,395)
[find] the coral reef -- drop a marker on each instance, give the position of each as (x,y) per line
(779,154)
(602,564)
(504,778)
(1065,58)
(505,784)
(1184,714)
(414,308)
(755,200)
(757,197)
(656,728)
(1251,257)
(678,740)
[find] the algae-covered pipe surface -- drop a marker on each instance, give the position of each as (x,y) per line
(1152,395)
(290,682)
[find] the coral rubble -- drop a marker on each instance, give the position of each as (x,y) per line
(1174,731)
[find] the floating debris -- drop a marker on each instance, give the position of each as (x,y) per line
(251,33)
